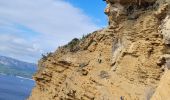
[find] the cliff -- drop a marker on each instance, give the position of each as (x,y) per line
(128,60)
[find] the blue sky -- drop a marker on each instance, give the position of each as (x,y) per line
(29,28)
(92,8)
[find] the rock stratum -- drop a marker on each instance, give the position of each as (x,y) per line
(128,60)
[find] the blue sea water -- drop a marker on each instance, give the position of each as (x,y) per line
(15,88)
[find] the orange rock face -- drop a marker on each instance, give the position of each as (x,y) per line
(128,60)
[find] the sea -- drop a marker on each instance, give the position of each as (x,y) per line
(15,87)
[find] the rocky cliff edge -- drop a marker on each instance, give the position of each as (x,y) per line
(128,60)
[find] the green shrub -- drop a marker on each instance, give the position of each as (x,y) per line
(45,56)
(73,45)
(85,36)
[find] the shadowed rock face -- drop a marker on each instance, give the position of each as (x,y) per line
(118,10)
(127,60)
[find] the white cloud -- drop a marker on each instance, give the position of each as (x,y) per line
(31,27)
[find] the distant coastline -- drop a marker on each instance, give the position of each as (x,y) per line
(16,76)
(13,67)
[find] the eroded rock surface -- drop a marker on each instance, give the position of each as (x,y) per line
(128,60)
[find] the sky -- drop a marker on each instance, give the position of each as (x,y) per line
(30,28)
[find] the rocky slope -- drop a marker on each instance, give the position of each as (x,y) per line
(128,60)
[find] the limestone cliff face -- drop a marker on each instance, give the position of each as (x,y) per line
(128,60)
